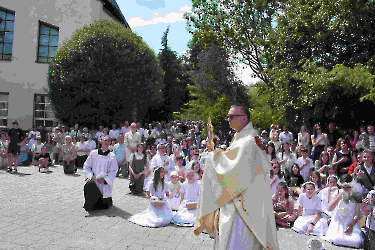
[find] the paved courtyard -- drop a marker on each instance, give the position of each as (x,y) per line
(44,211)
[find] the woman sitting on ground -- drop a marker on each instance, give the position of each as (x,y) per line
(295,181)
(276,176)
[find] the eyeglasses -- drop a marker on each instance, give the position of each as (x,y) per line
(365,157)
(38,139)
(232,116)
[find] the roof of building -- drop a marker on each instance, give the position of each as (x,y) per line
(113,7)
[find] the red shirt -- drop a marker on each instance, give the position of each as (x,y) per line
(352,167)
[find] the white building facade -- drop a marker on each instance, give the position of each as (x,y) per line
(30,34)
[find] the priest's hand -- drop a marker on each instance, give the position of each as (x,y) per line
(101,180)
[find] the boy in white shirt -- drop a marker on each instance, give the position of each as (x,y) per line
(305,164)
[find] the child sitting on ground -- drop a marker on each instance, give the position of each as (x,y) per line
(309,208)
(175,186)
(283,206)
(344,228)
(276,176)
(327,195)
(44,161)
(187,211)
(159,212)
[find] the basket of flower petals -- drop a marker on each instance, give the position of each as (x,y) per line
(158,202)
(191,205)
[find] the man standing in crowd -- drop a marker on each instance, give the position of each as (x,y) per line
(100,170)
(114,132)
(264,138)
(140,130)
(286,135)
(333,134)
(126,128)
(75,132)
(120,152)
(236,184)
(15,135)
(91,143)
(132,139)
(34,133)
(99,133)
(367,140)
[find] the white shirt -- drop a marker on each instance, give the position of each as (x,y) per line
(32,133)
(286,136)
(99,134)
(125,129)
(91,144)
(82,145)
(114,133)
(306,169)
(190,191)
(37,148)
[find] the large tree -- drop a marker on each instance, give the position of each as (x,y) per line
(104,74)
(174,87)
(240,27)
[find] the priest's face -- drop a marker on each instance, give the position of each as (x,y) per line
(237,119)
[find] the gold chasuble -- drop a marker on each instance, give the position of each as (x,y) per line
(239,175)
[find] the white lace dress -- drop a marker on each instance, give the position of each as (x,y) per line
(186,217)
(342,216)
(155,216)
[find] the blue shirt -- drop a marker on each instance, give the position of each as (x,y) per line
(119,151)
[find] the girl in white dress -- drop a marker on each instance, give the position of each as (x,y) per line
(327,195)
(175,187)
(157,190)
(316,179)
(276,176)
(309,208)
(189,194)
(344,228)
(196,167)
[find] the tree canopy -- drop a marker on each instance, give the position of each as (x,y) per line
(311,56)
(104,74)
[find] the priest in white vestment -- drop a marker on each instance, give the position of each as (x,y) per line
(100,170)
(235,199)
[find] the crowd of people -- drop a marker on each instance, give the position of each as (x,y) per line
(321,183)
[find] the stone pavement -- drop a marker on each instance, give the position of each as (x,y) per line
(44,211)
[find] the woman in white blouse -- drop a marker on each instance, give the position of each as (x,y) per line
(304,139)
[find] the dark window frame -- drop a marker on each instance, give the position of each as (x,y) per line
(49,59)
(3,56)
(6,108)
(43,119)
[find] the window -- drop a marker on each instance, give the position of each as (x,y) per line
(6,33)
(43,114)
(4,102)
(47,42)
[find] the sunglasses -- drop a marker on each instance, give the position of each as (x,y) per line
(232,116)
(38,139)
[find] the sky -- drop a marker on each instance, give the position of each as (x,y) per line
(150,19)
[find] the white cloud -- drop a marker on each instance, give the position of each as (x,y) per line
(157,18)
